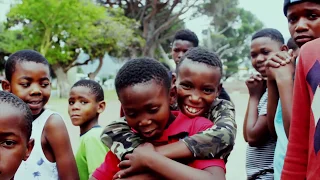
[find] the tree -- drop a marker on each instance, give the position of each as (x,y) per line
(61,30)
(156,18)
(230,31)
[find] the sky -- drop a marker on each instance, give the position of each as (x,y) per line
(270,12)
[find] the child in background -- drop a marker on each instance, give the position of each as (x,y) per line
(86,103)
(143,87)
(304,26)
(15,131)
(28,77)
(292,45)
(197,85)
(182,42)
(260,152)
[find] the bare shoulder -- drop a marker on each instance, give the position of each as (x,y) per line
(55,122)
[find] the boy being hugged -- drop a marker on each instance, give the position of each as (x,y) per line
(143,88)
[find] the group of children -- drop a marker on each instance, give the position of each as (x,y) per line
(174,125)
(282,116)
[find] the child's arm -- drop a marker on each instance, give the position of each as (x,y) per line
(296,160)
(283,75)
(214,142)
(255,123)
(119,138)
(57,136)
(273,98)
(170,169)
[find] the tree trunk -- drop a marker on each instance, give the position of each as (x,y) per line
(62,80)
(93,75)
(164,55)
(151,40)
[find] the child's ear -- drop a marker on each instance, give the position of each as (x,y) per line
(284,48)
(219,89)
(173,95)
(173,79)
(29,149)
(6,85)
(101,106)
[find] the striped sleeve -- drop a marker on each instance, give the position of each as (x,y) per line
(262,107)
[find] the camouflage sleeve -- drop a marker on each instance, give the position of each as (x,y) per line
(217,141)
(119,138)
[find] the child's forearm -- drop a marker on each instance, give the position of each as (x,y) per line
(119,138)
(256,126)
(171,169)
(285,87)
(273,98)
(177,150)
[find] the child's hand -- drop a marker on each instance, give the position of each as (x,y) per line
(280,58)
(135,162)
(282,73)
(256,85)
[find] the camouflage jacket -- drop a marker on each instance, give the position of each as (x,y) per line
(215,142)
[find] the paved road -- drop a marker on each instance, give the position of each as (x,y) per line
(236,161)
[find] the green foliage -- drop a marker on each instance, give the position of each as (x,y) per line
(60,29)
(230,31)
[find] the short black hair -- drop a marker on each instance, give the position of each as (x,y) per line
(166,66)
(292,44)
(10,99)
(141,70)
(22,56)
(187,35)
(94,87)
(271,33)
(202,55)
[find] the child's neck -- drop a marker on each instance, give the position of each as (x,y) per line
(37,115)
(85,127)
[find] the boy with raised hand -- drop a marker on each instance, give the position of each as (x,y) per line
(304,26)
(260,150)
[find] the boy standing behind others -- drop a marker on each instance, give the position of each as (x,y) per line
(86,103)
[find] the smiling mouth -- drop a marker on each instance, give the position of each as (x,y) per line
(34,104)
(193,110)
(148,133)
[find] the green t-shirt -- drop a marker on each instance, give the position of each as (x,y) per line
(91,152)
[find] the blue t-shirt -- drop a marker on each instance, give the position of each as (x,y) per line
(282,143)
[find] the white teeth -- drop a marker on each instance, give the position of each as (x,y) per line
(192,110)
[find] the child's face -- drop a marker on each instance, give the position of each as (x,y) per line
(31,83)
(198,85)
(14,143)
(179,48)
(304,22)
(261,49)
(83,106)
(146,107)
